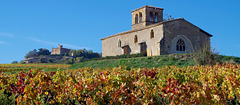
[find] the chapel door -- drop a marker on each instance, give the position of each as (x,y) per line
(126,50)
(143,47)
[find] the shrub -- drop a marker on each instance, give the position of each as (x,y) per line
(172,59)
(6,98)
(149,57)
(205,55)
(14,62)
(123,56)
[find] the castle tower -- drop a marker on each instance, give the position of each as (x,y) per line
(145,16)
(60,46)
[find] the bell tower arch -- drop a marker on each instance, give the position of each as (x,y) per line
(145,16)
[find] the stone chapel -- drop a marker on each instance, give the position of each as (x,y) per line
(151,34)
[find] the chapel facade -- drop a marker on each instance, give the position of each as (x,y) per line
(151,34)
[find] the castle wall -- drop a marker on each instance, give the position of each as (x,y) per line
(55,51)
(64,50)
(110,45)
(60,50)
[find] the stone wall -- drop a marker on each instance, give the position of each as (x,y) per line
(110,45)
(166,35)
(55,51)
(60,50)
(144,13)
(193,36)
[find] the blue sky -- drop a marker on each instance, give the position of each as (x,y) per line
(32,24)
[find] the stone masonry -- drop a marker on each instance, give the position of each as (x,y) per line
(60,50)
(156,37)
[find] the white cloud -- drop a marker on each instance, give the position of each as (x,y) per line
(73,46)
(6,34)
(2,42)
(55,44)
(42,41)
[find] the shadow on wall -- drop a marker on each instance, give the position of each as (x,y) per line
(181,44)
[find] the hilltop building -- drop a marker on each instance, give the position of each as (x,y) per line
(60,50)
(57,54)
(151,34)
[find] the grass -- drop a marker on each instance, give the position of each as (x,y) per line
(180,60)
(230,59)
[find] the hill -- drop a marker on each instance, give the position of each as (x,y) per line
(180,60)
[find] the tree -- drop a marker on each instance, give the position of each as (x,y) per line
(14,62)
(43,51)
(83,53)
(31,53)
(90,52)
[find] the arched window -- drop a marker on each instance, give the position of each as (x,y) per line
(180,45)
(140,17)
(136,18)
(135,39)
(151,34)
(156,17)
(119,43)
(151,17)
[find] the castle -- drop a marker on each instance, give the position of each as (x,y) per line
(60,50)
(56,54)
(151,34)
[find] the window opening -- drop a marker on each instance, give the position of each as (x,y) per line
(135,39)
(151,34)
(180,45)
(140,17)
(151,16)
(156,17)
(136,18)
(119,43)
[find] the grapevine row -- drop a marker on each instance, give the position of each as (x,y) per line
(219,84)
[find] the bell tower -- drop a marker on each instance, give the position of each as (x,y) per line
(145,16)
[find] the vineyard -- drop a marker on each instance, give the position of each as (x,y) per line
(35,65)
(219,84)
(16,68)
